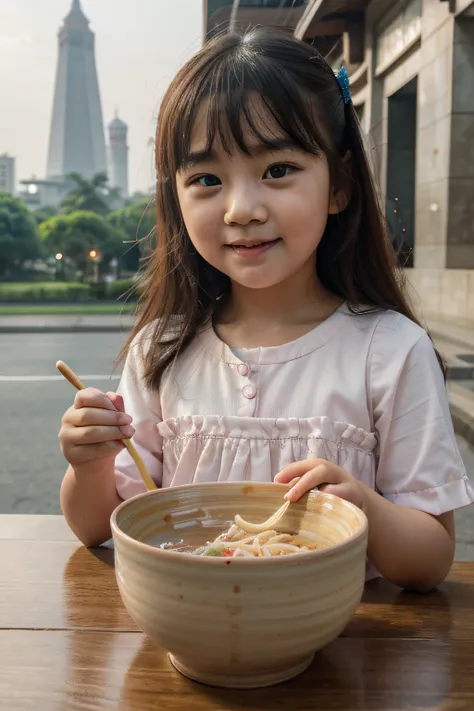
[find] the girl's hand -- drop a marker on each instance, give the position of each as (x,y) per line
(328,477)
(92,427)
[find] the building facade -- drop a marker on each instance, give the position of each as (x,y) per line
(413,85)
(36,192)
(77,138)
(118,155)
(219,14)
(411,66)
(7,174)
(420,108)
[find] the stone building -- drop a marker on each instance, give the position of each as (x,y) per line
(77,138)
(219,14)
(411,64)
(7,174)
(118,155)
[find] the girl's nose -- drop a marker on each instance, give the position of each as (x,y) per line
(245,206)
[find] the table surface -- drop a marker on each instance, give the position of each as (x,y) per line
(66,642)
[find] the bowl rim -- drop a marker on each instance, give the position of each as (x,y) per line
(185,558)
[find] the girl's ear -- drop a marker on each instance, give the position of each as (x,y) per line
(340,196)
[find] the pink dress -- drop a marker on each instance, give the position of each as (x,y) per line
(363,391)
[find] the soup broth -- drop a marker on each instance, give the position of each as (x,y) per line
(229,541)
(189,532)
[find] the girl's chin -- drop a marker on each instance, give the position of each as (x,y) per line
(256,284)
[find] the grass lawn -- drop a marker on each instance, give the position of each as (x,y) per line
(79,309)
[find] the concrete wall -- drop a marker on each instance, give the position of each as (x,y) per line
(443,61)
(434,135)
(460,238)
(444,257)
(443,293)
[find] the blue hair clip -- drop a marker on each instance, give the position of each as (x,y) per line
(343,81)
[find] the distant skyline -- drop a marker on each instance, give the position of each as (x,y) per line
(140,45)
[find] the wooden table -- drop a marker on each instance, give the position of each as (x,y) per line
(66,642)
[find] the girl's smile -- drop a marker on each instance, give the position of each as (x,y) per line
(252,249)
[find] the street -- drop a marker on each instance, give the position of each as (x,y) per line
(33,397)
(31,407)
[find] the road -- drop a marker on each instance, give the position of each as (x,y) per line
(33,399)
(31,464)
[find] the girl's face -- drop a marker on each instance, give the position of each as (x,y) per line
(257,218)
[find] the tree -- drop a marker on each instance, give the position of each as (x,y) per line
(136,223)
(76,234)
(87,195)
(41,214)
(19,239)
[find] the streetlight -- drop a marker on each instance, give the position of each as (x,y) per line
(58,258)
(95,256)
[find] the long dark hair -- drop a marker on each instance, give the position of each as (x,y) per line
(299,90)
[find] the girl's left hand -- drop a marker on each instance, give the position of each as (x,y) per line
(329,477)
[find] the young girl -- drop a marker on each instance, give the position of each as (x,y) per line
(274,340)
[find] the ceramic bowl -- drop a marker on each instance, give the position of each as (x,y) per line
(239,623)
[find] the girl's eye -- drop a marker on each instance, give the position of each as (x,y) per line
(207,181)
(279,170)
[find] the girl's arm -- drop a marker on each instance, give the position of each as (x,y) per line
(420,478)
(88,499)
(101,473)
(89,437)
(420,473)
(411,548)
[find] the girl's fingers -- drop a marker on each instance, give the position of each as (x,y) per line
(308,481)
(87,416)
(295,470)
(117,401)
(78,455)
(91,397)
(96,434)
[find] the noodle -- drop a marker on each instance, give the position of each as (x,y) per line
(252,540)
(236,543)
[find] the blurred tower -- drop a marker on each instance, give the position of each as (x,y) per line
(77,140)
(7,174)
(118,155)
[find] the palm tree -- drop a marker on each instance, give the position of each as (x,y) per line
(90,195)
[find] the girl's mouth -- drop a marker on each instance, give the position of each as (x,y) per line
(254,250)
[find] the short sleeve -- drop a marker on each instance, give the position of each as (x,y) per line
(144,408)
(419,464)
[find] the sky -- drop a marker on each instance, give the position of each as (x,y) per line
(140,44)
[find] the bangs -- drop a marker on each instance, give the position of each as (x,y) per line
(249,100)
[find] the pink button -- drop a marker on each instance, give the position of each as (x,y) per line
(243,369)
(249,391)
